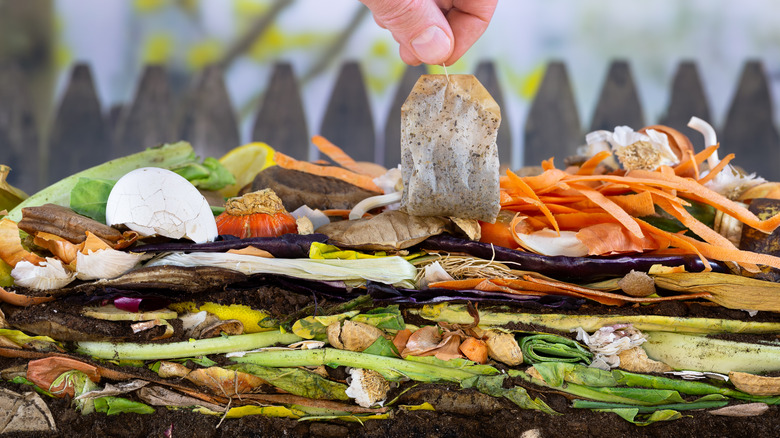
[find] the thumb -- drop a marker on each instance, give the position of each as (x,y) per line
(419,27)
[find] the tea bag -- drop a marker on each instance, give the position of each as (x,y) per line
(449,157)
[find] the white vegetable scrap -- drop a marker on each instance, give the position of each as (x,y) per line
(105,263)
(729,182)
(642,151)
(432,273)
(607,342)
(158,201)
(699,375)
(367,387)
(51,274)
(548,242)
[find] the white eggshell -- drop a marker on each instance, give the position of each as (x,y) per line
(158,201)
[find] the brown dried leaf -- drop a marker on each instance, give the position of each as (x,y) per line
(755,385)
(741,410)
(225,382)
(389,230)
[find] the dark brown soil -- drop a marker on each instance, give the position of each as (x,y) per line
(504,421)
(460,413)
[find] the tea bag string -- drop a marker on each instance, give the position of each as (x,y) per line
(445,72)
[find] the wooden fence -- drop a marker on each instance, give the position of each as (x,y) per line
(85,133)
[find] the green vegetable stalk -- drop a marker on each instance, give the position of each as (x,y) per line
(167,156)
(698,353)
(553,348)
(193,347)
(427,369)
(457,314)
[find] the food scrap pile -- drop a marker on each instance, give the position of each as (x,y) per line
(318,291)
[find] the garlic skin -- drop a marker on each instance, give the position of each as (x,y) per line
(367,387)
(158,201)
(608,342)
(105,263)
(647,151)
(50,274)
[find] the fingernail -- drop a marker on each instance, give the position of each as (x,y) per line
(432,46)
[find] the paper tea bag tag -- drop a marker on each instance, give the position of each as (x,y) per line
(449,157)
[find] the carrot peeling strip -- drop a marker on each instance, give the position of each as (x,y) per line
(529,192)
(590,165)
(362,181)
(695,161)
(717,169)
(337,154)
(610,207)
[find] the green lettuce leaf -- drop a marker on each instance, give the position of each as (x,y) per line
(297,381)
(382,347)
(117,405)
(89,196)
(494,386)
(208,175)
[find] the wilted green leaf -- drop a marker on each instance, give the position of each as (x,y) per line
(297,381)
(555,373)
(10,196)
(493,386)
(386,318)
(382,347)
(630,414)
(5,274)
(40,343)
(118,405)
(315,327)
(208,175)
(89,196)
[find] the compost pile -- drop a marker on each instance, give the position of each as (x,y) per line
(631,291)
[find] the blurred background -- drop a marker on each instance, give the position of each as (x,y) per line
(118,38)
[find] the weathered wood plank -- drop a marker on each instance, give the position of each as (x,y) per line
(348,122)
(619,102)
(749,130)
(208,121)
(687,99)
(486,74)
(281,120)
(79,137)
(150,119)
(552,128)
(18,130)
(392,146)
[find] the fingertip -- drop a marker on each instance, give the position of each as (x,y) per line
(408,57)
(432,45)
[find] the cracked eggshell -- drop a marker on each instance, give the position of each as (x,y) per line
(158,201)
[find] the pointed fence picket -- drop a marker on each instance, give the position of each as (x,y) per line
(84,133)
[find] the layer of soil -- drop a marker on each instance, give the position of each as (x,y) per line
(505,421)
(460,413)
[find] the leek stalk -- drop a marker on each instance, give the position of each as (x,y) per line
(457,314)
(169,155)
(193,347)
(698,353)
(390,368)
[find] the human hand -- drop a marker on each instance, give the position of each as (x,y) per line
(433,31)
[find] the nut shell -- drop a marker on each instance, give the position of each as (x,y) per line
(504,348)
(352,336)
